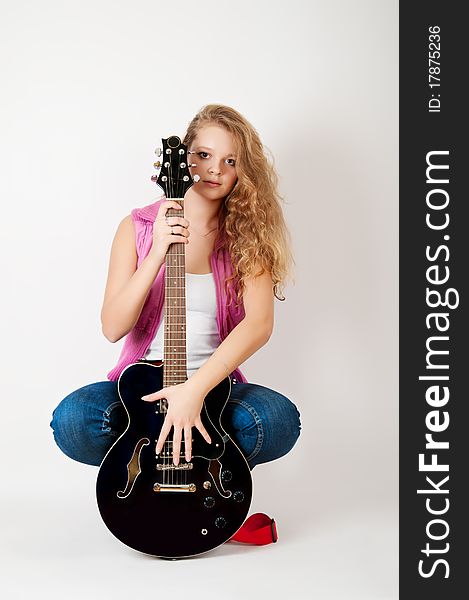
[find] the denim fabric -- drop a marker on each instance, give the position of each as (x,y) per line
(263,423)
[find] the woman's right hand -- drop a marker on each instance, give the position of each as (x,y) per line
(167,230)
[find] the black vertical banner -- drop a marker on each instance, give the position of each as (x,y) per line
(434,252)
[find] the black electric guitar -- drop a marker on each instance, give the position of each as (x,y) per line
(145,500)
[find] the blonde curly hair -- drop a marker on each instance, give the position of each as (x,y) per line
(251,221)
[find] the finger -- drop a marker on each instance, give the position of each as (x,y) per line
(176,444)
(169,204)
(203,431)
(177,221)
(178,238)
(188,442)
(179,229)
(163,435)
(155,395)
(149,398)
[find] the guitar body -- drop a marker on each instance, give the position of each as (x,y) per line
(161,509)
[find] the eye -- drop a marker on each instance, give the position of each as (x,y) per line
(202,152)
(232,163)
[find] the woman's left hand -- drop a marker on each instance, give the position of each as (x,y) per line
(184,405)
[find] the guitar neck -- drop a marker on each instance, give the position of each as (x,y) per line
(175,358)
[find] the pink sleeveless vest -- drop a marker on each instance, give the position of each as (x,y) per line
(138,340)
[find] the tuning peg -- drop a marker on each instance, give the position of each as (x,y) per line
(192,165)
(191,152)
(196,178)
(158,151)
(157,164)
(154,178)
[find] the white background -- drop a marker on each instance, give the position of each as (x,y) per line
(88,90)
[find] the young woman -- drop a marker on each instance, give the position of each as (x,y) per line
(237,261)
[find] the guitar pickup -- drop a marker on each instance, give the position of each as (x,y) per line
(172,467)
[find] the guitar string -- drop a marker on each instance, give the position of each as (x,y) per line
(182,320)
(180,300)
(179,304)
(183,247)
(167,446)
(171,445)
(174,468)
(186,472)
(181,293)
(166,476)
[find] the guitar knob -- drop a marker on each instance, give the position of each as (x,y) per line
(238,496)
(209,502)
(158,152)
(226,476)
(196,178)
(154,177)
(157,164)
(220,522)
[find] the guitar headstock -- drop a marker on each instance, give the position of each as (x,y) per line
(174,177)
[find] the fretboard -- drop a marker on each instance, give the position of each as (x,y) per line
(175,359)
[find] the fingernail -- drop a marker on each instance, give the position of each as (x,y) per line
(144,397)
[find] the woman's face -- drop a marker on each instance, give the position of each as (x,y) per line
(215,160)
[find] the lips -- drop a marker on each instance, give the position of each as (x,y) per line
(212,182)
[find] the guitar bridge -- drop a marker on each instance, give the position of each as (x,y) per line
(167,487)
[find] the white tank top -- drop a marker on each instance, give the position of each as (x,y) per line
(201,323)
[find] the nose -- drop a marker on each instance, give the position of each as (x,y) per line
(214,170)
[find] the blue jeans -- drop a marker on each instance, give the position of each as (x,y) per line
(263,423)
